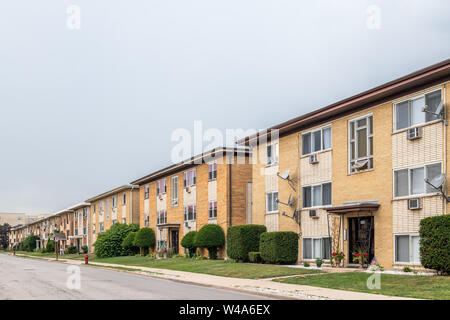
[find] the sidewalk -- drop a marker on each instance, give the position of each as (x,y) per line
(258,286)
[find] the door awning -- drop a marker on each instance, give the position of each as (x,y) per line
(348,207)
(169,225)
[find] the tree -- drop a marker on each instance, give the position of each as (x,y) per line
(29,243)
(188,242)
(4,235)
(144,239)
(109,243)
(128,242)
(210,236)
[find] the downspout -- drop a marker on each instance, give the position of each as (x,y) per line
(299,217)
(230,210)
(445,148)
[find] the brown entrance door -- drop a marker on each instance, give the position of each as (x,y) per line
(174,241)
(361,235)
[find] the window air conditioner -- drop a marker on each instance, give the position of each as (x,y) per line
(313,158)
(414,133)
(313,214)
(187,224)
(414,204)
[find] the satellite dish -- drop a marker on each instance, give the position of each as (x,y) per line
(285,175)
(439,107)
(437,181)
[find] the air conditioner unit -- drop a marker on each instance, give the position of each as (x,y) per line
(414,133)
(160,196)
(414,204)
(187,224)
(188,189)
(313,158)
(313,214)
(360,164)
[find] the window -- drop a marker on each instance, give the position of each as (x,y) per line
(114,202)
(272,202)
(316,195)
(114,221)
(107,208)
(190,178)
(93,208)
(409,113)
(316,141)
(190,213)
(162,244)
(84,212)
(101,226)
(93,228)
(212,171)
(146,191)
(361,143)
(84,230)
(174,191)
(212,209)
(314,248)
(124,199)
(124,220)
(147,220)
(411,181)
(161,187)
(102,207)
(162,217)
(407,248)
(272,154)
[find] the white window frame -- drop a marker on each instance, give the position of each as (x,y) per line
(368,157)
(212,174)
(411,98)
(416,195)
(194,178)
(146,191)
(272,193)
(124,198)
(161,217)
(274,147)
(194,213)
(146,220)
(162,182)
(174,199)
(410,262)
(212,209)
(321,195)
(310,132)
(312,238)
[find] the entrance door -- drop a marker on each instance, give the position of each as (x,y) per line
(174,241)
(361,235)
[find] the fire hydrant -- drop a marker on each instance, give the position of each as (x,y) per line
(86,258)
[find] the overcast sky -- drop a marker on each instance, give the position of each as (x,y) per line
(86,110)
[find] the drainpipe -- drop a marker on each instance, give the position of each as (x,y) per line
(230,210)
(445,149)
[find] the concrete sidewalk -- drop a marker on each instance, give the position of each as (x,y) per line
(258,286)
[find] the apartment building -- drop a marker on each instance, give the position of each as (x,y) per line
(352,175)
(214,187)
(118,205)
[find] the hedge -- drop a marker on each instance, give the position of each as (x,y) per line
(435,243)
(29,243)
(210,236)
(188,242)
(279,247)
(50,246)
(254,257)
(243,239)
(128,243)
(109,243)
(144,239)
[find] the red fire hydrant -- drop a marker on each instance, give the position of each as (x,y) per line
(86,258)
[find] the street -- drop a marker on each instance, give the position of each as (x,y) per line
(22,278)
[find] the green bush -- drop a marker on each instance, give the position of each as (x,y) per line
(128,243)
(109,243)
(435,243)
(255,257)
(279,247)
(50,246)
(71,250)
(144,239)
(188,242)
(85,249)
(210,236)
(243,239)
(29,243)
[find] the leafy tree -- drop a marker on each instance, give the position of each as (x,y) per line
(188,242)
(144,239)
(128,243)
(210,236)
(29,243)
(50,246)
(4,232)
(109,243)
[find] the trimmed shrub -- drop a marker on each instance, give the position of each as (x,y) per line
(279,247)
(144,239)
(210,236)
(435,243)
(84,249)
(243,239)
(50,246)
(29,243)
(109,243)
(71,250)
(188,242)
(255,257)
(128,243)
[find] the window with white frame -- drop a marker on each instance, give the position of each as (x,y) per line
(161,187)
(316,248)
(124,199)
(93,208)
(190,178)
(411,181)
(190,213)
(162,217)
(212,209)
(175,191)
(107,208)
(271,202)
(124,220)
(114,202)
(407,248)
(361,143)
(101,226)
(316,195)
(409,113)
(102,207)
(212,171)
(272,153)
(162,244)
(147,220)
(317,140)
(146,191)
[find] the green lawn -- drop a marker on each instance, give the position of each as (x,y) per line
(214,267)
(423,287)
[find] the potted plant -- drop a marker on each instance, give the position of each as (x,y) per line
(319,262)
(361,257)
(337,256)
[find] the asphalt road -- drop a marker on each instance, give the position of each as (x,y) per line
(22,278)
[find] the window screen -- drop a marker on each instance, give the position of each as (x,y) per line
(326,194)
(402,249)
(306,143)
(401,183)
(307,251)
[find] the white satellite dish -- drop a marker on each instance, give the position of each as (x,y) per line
(438,110)
(437,181)
(285,175)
